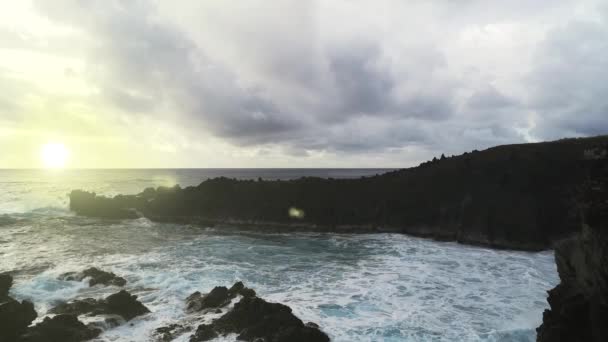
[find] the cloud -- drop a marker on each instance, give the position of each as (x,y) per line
(337,77)
(569,91)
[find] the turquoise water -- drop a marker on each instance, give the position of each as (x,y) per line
(380,287)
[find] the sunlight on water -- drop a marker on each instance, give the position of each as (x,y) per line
(381,287)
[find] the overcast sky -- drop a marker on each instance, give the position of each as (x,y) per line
(193,83)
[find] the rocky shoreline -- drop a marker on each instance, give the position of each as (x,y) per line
(513,197)
(237,310)
(579,303)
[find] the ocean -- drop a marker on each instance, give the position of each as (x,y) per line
(367,287)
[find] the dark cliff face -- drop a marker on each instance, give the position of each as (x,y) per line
(513,196)
(579,304)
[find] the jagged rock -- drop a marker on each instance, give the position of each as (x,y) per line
(15,317)
(204,332)
(239,289)
(218,297)
(61,328)
(6,281)
(126,305)
(579,304)
(170,332)
(254,318)
(96,276)
(121,303)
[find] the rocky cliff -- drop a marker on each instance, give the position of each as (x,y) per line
(579,304)
(512,196)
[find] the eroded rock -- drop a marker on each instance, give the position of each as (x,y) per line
(96,276)
(6,281)
(218,297)
(204,332)
(254,318)
(121,303)
(61,328)
(239,289)
(579,303)
(15,317)
(170,332)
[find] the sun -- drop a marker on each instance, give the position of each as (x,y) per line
(54,155)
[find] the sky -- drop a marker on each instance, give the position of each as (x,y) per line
(282,83)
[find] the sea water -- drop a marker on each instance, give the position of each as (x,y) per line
(370,287)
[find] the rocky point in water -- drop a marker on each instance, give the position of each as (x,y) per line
(252,318)
(95,276)
(255,319)
(15,316)
(60,328)
(121,303)
(219,297)
(579,303)
(512,196)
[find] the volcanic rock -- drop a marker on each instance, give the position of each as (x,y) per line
(96,276)
(61,328)
(121,303)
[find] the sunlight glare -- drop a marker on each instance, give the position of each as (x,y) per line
(54,155)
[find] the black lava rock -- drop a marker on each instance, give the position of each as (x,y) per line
(61,328)
(96,276)
(254,318)
(121,303)
(15,317)
(218,297)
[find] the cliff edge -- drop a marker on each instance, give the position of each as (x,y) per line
(511,196)
(579,304)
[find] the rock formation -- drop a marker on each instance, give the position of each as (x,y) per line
(512,196)
(96,276)
(60,328)
(579,304)
(255,319)
(15,316)
(121,303)
(252,318)
(219,297)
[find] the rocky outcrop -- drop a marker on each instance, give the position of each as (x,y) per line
(512,196)
(255,319)
(96,276)
(204,332)
(219,297)
(61,328)
(6,282)
(89,204)
(252,318)
(170,332)
(121,303)
(15,316)
(579,304)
